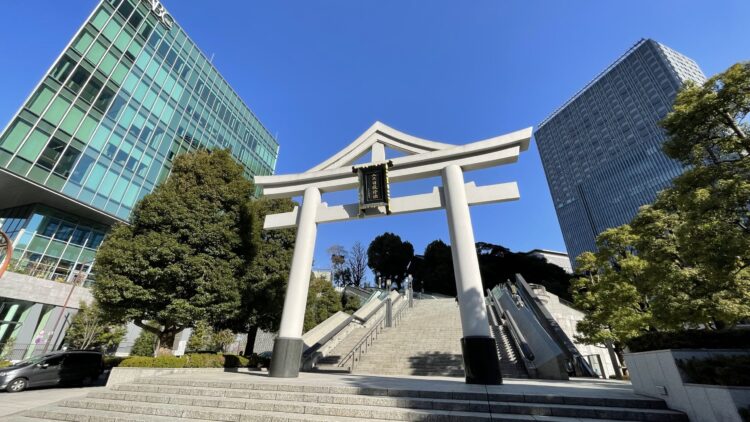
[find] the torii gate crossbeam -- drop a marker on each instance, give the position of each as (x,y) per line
(429,159)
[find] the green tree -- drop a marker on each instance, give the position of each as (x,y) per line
(182,256)
(684,261)
(322,302)
(709,203)
(202,337)
(498,264)
(350,304)
(90,329)
(388,255)
(437,269)
(144,345)
(264,275)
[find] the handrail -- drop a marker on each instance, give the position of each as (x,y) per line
(369,337)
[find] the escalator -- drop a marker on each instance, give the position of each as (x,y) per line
(575,361)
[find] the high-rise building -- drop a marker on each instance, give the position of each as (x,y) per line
(601,150)
(100,130)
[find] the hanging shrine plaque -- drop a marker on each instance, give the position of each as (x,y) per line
(373,187)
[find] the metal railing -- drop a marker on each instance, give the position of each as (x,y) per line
(359,349)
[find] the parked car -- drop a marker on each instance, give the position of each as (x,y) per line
(59,368)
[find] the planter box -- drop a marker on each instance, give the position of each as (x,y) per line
(655,373)
(122,375)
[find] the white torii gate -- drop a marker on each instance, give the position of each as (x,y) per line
(425,159)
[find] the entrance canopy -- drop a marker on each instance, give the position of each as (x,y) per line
(425,159)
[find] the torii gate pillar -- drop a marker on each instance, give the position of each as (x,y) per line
(427,159)
(287,348)
(479,351)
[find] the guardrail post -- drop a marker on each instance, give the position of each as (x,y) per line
(388,313)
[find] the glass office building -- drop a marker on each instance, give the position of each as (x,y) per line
(601,150)
(100,131)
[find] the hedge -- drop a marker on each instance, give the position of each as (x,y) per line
(691,339)
(720,370)
(194,360)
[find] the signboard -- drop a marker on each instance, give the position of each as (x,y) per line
(161,13)
(373,187)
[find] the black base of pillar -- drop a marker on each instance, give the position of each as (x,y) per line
(285,361)
(480,361)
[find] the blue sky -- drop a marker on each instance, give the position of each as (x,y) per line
(319,73)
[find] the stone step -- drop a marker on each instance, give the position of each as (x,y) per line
(266,398)
(266,390)
(301,410)
(99,415)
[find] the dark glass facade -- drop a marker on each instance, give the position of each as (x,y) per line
(129,93)
(601,150)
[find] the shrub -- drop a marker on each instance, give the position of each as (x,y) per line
(5,363)
(691,339)
(192,360)
(720,370)
(149,362)
(112,361)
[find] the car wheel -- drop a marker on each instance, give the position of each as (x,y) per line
(17,385)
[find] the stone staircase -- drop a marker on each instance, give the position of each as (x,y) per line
(240,399)
(427,341)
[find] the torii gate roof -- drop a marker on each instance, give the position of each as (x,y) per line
(426,159)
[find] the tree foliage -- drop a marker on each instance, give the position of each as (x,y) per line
(322,302)
(264,275)
(435,272)
(90,329)
(350,304)
(181,258)
(498,264)
(144,345)
(388,255)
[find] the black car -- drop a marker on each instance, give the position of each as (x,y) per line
(70,367)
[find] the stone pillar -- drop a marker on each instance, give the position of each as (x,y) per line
(287,348)
(479,351)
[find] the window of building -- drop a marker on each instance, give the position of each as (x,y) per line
(15,135)
(83,42)
(67,161)
(33,145)
(91,90)
(78,79)
(108,63)
(101,17)
(125,9)
(40,100)
(96,52)
(63,68)
(69,124)
(104,99)
(56,111)
(86,129)
(124,39)
(51,153)
(50,228)
(112,29)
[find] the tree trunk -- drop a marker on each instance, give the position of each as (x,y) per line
(615,360)
(166,343)
(252,334)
